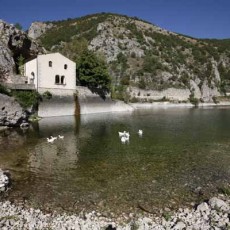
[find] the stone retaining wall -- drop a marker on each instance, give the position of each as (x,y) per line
(82,101)
(92,103)
(171,94)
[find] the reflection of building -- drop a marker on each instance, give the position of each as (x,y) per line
(52,72)
(63,153)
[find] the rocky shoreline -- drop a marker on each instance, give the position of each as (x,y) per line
(211,214)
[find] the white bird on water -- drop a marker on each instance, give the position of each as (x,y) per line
(51,139)
(60,137)
(140,132)
(124,139)
(124,136)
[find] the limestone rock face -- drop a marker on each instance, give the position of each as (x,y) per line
(38,28)
(111,45)
(11,113)
(13,43)
(6,62)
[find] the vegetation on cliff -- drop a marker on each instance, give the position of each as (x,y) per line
(140,54)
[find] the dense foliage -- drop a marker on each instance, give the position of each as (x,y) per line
(26,98)
(92,72)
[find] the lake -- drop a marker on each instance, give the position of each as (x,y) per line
(182,157)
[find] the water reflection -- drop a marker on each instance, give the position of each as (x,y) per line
(51,158)
(181,149)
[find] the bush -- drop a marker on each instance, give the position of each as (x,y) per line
(215,100)
(4,90)
(125,80)
(133,55)
(142,84)
(47,94)
(26,98)
(193,99)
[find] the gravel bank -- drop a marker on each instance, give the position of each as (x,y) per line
(213,214)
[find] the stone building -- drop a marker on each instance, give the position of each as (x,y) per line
(52,72)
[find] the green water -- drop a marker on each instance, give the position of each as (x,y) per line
(180,150)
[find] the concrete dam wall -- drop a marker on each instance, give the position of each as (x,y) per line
(92,103)
(62,103)
(81,101)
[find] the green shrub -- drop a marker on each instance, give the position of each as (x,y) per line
(167,216)
(125,80)
(215,100)
(142,84)
(4,90)
(47,95)
(133,55)
(193,99)
(26,98)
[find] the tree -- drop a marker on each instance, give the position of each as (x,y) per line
(20,63)
(18,26)
(93,73)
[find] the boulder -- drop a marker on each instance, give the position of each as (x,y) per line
(219,204)
(11,113)
(4,181)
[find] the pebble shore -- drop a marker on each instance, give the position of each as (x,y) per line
(212,214)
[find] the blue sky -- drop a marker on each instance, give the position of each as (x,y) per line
(196,18)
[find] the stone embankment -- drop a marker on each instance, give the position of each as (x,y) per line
(213,214)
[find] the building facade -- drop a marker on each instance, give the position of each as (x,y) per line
(51,72)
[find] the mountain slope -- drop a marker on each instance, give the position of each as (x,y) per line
(144,58)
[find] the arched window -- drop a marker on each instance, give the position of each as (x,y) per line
(50,63)
(32,75)
(62,80)
(57,79)
(65,66)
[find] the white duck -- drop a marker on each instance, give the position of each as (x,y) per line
(60,137)
(124,134)
(140,132)
(51,139)
(124,139)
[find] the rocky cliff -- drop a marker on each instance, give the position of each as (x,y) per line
(11,113)
(38,28)
(142,55)
(14,43)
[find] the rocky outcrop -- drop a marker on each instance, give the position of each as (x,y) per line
(13,43)
(11,113)
(4,181)
(110,45)
(38,28)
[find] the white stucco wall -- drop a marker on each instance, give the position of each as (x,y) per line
(30,67)
(45,75)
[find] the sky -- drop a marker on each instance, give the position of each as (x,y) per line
(196,18)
